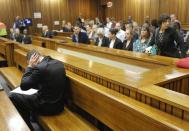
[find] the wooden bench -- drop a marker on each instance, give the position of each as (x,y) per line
(66,34)
(117,111)
(2,61)
(37,43)
(67,120)
(6,52)
(136,112)
(10,120)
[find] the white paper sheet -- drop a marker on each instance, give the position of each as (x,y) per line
(28,92)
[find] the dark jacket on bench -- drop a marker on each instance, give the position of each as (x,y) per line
(49,78)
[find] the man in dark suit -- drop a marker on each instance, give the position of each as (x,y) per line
(47,75)
(26,38)
(46,32)
(114,41)
(80,37)
(12,34)
(18,36)
(102,40)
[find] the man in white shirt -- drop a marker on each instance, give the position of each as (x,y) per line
(120,34)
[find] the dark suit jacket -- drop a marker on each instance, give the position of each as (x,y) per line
(82,38)
(129,47)
(49,78)
(67,30)
(19,38)
(26,40)
(105,41)
(167,47)
(118,44)
(48,34)
(11,36)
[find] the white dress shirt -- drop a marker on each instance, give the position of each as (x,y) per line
(109,25)
(100,41)
(112,44)
(106,31)
(121,35)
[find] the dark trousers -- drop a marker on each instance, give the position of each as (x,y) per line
(25,106)
(28,105)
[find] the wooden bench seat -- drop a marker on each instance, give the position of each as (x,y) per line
(67,120)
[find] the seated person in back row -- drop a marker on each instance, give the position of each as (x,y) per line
(12,34)
(26,38)
(47,75)
(18,37)
(128,43)
(114,41)
(142,43)
(101,40)
(46,32)
(80,37)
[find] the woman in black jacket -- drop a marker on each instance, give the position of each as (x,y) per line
(128,43)
(166,38)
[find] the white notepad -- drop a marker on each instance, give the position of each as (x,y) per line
(28,92)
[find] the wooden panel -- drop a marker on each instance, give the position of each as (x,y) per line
(119,112)
(11,8)
(51,10)
(60,10)
(138,9)
(9,117)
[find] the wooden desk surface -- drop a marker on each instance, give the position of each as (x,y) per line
(114,52)
(10,120)
(122,76)
(121,53)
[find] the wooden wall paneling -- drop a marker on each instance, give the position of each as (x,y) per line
(138,9)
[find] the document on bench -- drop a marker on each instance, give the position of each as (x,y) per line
(28,92)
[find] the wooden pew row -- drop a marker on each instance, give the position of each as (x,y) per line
(6,51)
(110,107)
(171,102)
(67,120)
(113,54)
(65,34)
(185,27)
(67,39)
(10,120)
(179,85)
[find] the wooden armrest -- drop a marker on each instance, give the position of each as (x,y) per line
(12,75)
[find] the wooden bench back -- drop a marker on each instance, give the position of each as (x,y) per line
(37,43)
(6,50)
(66,34)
